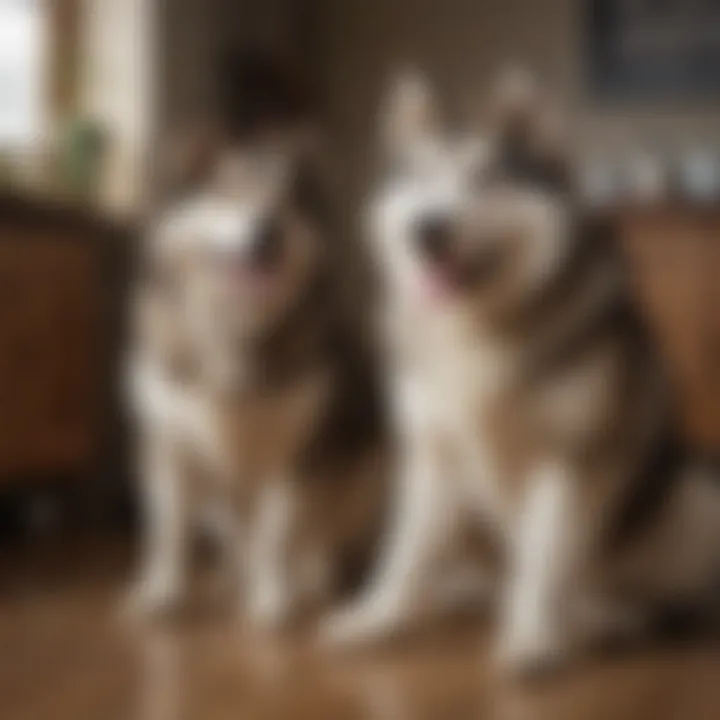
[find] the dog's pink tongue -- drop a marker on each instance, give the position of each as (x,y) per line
(436,286)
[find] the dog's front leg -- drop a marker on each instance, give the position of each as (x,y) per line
(227,526)
(550,543)
(270,595)
(398,595)
(165,507)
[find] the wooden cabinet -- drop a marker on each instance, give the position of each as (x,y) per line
(675,258)
(56,339)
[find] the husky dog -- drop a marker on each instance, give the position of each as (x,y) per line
(526,391)
(252,395)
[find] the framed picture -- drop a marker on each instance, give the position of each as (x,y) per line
(653,49)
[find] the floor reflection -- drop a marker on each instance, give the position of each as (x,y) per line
(67,655)
(183,672)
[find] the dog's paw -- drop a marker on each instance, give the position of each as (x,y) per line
(530,655)
(365,622)
(149,599)
(268,609)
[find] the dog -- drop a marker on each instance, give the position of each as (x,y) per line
(528,396)
(254,398)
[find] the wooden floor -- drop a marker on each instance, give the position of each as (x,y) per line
(64,655)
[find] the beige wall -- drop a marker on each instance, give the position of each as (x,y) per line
(461,43)
(354,46)
(117,88)
(152,64)
(196,33)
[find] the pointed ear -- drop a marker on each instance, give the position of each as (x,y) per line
(410,112)
(515,101)
(528,126)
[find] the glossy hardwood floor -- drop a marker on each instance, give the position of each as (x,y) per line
(64,655)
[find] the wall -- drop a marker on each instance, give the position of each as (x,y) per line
(461,43)
(117,88)
(195,34)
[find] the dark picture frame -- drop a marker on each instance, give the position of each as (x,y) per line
(653,50)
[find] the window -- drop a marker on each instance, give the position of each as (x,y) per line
(22,78)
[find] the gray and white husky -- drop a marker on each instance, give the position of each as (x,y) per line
(252,393)
(526,393)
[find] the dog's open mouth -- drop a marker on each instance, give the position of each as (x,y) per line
(485,267)
(442,281)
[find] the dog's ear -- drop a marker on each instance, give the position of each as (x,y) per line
(410,112)
(308,171)
(528,129)
(515,101)
(189,156)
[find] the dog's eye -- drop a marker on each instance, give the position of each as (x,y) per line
(485,176)
(490,176)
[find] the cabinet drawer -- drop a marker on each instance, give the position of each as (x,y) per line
(51,354)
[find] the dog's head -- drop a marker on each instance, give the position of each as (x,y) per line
(475,220)
(246,241)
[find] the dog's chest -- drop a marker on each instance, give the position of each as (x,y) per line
(461,375)
(260,433)
(462,381)
(266,434)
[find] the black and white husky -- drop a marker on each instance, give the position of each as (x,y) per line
(526,394)
(251,392)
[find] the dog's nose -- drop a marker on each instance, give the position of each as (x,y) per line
(266,247)
(433,236)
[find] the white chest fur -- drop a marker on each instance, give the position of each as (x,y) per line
(445,388)
(252,436)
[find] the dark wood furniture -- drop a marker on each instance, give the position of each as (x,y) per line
(63,300)
(62,287)
(674,251)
